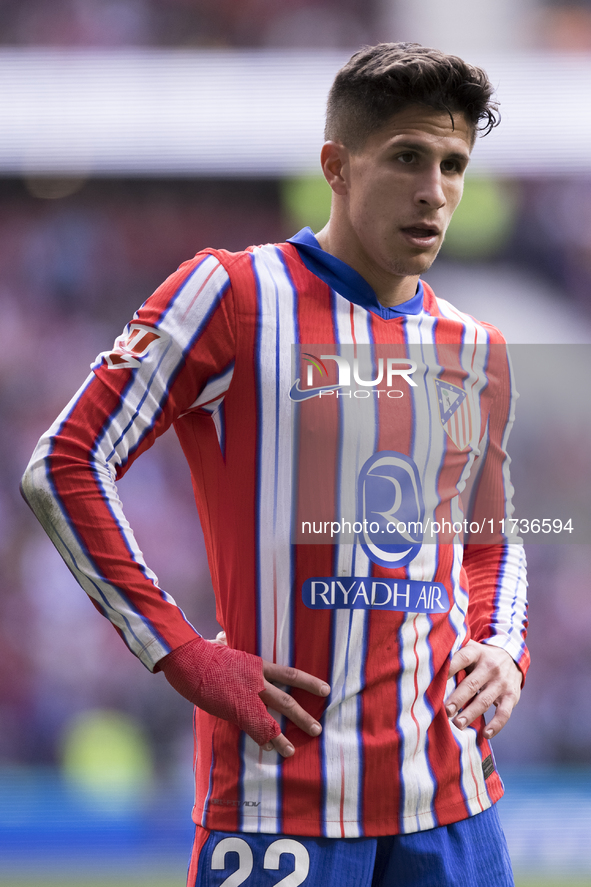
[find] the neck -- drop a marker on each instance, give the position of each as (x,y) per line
(390,289)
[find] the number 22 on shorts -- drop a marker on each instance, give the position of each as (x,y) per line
(271,861)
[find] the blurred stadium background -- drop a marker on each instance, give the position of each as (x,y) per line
(135,132)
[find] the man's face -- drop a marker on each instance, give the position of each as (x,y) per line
(403,187)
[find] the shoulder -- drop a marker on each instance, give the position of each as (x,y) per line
(256,271)
(443,309)
(244,260)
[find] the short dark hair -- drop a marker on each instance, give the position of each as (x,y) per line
(379,81)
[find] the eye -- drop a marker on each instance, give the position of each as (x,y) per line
(406,157)
(451,166)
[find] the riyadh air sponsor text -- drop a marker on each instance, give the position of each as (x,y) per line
(352,593)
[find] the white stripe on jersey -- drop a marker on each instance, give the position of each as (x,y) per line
(473,784)
(429,438)
(473,359)
(342,759)
(472,329)
(217,417)
(507,485)
(214,390)
(511,601)
(415,715)
(277,335)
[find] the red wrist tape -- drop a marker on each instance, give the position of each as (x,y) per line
(223,682)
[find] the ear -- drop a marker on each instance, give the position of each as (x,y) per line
(334,159)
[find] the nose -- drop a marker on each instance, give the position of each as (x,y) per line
(430,191)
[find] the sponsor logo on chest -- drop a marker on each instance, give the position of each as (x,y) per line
(352,593)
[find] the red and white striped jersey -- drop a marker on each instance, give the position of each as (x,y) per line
(217,351)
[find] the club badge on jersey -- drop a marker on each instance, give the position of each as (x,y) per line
(454,411)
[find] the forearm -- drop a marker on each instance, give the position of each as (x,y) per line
(497,587)
(70,486)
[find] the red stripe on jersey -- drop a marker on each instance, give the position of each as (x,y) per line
(197,294)
(342,802)
(379,718)
(302,798)
(444,753)
(217,775)
(430,302)
(416,682)
(352,316)
(201,836)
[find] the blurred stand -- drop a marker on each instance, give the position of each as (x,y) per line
(187,23)
(468,28)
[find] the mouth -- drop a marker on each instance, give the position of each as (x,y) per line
(421,235)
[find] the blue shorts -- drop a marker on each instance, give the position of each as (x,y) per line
(470,853)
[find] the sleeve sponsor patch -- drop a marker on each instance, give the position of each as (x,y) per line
(132,346)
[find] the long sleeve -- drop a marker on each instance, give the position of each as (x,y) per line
(494,560)
(497,612)
(160,368)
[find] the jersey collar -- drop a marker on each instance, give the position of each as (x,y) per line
(346,281)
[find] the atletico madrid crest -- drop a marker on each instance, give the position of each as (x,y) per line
(454,410)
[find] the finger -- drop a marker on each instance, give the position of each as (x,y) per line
(294,677)
(479,705)
(221,638)
(466,690)
(282,702)
(498,693)
(497,672)
(504,710)
(281,745)
(464,658)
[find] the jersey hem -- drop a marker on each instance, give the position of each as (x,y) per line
(368,828)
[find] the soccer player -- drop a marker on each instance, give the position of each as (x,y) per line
(352,496)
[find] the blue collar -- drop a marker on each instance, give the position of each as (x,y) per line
(346,281)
